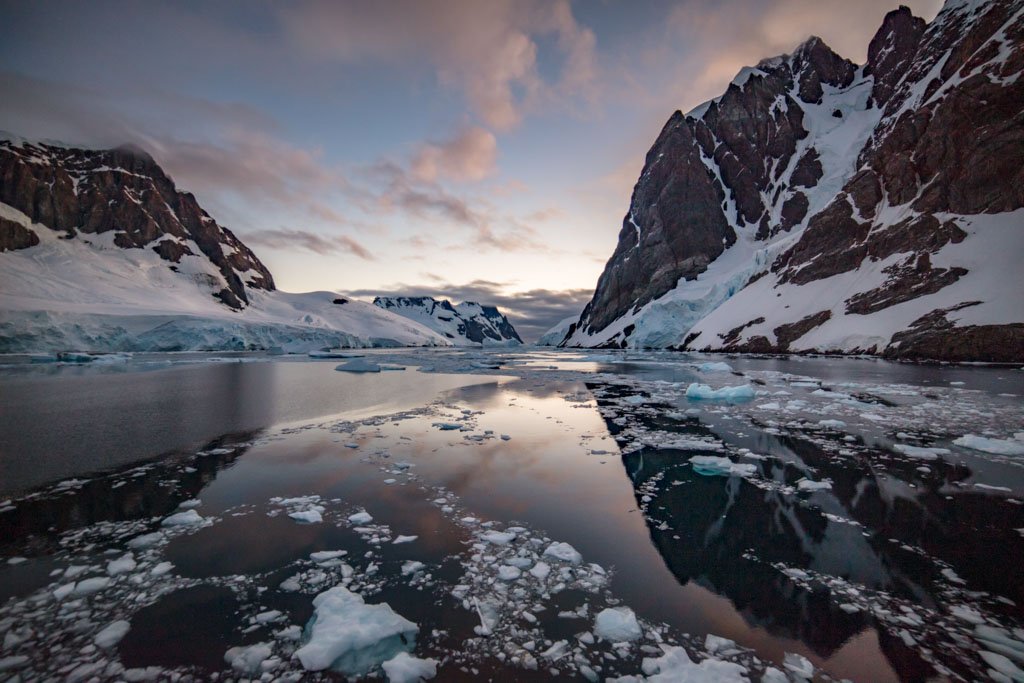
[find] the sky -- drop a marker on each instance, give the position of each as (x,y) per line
(472,149)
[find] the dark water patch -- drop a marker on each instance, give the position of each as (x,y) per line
(189,627)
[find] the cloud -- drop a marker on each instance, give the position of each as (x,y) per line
(301,239)
(721,38)
(469,156)
(531,312)
(487,50)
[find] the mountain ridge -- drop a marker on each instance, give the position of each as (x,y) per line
(877,187)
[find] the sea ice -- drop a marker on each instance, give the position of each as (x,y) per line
(1013,446)
(112,634)
(920,452)
(350,636)
(714,367)
(186,518)
(358,365)
(247,659)
(363,517)
(703,392)
(714,465)
(808,485)
(121,565)
(563,552)
(675,666)
(310,516)
(404,539)
(404,668)
(617,624)
(498,537)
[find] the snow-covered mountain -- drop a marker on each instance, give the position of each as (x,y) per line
(99,251)
(558,332)
(821,205)
(465,324)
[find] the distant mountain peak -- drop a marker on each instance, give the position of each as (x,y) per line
(466,323)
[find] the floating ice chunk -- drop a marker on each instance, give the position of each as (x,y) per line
(121,565)
(617,624)
(831,424)
(920,452)
(506,437)
(310,516)
(994,446)
(363,517)
(714,465)
(404,668)
(687,444)
(563,552)
(247,659)
(447,426)
(189,504)
(268,616)
(808,485)
(161,569)
(411,567)
(350,636)
(404,539)
(798,665)
(676,666)
(90,586)
(64,591)
(111,634)
(703,392)
(186,518)
(358,365)
(145,541)
(508,573)
(636,400)
(540,570)
(324,555)
(715,367)
(498,537)
(713,643)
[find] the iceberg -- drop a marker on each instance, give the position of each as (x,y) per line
(349,636)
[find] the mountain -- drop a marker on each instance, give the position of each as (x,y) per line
(558,332)
(820,205)
(466,324)
(99,251)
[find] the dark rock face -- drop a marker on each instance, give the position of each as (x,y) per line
(934,336)
(16,236)
(728,166)
(123,190)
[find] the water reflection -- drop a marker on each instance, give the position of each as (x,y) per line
(886,526)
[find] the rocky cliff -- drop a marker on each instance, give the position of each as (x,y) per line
(124,192)
(821,205)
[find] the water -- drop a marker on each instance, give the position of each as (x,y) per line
(893,573)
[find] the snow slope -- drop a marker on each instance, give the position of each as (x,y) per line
(87,294)
(557,333)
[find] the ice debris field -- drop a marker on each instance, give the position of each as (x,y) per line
(500,601)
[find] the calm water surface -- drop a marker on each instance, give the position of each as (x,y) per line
(701,554)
